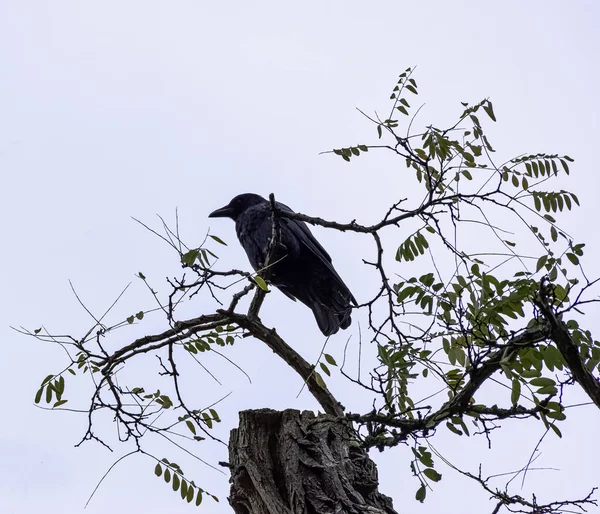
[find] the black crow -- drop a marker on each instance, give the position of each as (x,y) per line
(301,268)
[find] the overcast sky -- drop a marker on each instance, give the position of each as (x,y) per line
(115,109)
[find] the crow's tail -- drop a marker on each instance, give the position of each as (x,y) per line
(331,319)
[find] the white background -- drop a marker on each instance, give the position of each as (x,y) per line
(117,109)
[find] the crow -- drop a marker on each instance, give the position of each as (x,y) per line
(300,267)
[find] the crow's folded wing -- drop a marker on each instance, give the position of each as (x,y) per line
(302,234)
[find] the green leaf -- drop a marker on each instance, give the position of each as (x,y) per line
(320,380)
(541,263)
(554,406)
(515,391)
(49,390)
(59,385)
(184,489)
(261,283)
(38,395)
(199,498)
(330,359)
(427,280)
(558,416)
(167,475)
(158,470)
(59,403)
(547,390)
(453,429)
(218,240)
(207,419)
(176,482)
(191,426)
(573,258)
(47,379)
(325,369)
(421,493)
(432,474)
(575,199)
(405,293)
(190,494)
(560,292)
(215,415)
(556,430)
(489,110)
(190,257)
(542,382)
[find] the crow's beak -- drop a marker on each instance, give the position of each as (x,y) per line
(223,212)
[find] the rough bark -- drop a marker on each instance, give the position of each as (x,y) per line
(294,462)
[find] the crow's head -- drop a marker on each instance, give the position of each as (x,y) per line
(237,206)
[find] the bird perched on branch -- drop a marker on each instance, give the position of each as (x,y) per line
(298,265)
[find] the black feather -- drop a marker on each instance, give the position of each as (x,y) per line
(303,269)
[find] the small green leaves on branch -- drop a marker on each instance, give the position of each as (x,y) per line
(189,258)
(423,467)
(161,399)
(206,417)
(173,474)
(552,201)
(52,387)
(133,317)
(221,336)
(330,360)
(405,82)
(351,151)
(412,247)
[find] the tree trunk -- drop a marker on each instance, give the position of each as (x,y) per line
(294,462)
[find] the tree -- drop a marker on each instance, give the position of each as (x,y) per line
(489,335)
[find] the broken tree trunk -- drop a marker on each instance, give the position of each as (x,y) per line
(294,462)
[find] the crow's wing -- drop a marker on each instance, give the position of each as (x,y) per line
(304,237)
(303,233)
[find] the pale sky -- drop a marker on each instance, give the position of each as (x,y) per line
(116,109)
